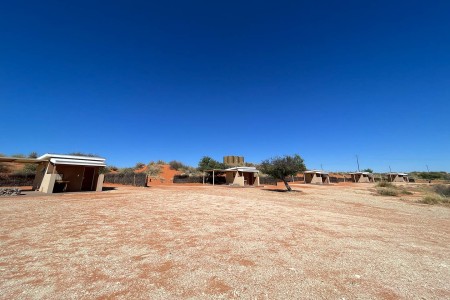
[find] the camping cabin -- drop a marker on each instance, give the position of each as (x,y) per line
(68,173)
(360,177)
(397,177)
(316,176)
(240,176)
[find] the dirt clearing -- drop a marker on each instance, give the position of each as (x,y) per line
(175,242)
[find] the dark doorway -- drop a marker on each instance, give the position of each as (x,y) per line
(249,178)
(88,179)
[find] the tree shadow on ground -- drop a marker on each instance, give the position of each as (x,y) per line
(282,191)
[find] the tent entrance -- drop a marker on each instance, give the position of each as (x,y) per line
(88,179)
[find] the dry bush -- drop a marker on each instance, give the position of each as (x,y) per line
(384,191)
(434,199)
(441,189)
(385,184)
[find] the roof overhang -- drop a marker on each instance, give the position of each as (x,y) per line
(235,169)
(77,162)
(316,172)
(21,160)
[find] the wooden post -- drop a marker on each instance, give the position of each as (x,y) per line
(213,176)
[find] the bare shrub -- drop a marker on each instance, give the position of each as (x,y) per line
(388,191)
(385,184)
(434,199)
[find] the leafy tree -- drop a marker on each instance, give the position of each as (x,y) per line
(207,163)
(282,167)
(33,155)
(368,170)
(28,169)
(177,165)
(82,154)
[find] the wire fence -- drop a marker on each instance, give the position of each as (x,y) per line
(139,179)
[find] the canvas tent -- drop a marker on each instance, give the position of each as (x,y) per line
(397,177)
(316,176)
(362,177)
(241,176)
(65,173)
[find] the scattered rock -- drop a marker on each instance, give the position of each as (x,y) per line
(9,192)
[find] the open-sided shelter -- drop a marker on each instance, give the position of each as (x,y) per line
(362,177)
(397,177)
(241,176)
(317,176)
(65,173)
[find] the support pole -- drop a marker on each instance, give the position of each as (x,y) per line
(213,177)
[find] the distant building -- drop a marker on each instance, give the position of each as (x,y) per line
(362,177)
(233,160)
(317,176)
(397,177)
(241,176)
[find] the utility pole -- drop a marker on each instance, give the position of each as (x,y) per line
(321,167)
(428,169)
(357,161)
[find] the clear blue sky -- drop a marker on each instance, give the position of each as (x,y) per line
(147,80)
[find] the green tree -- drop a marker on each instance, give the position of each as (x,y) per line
(177,165)
(369,170)
(33,155)
(207,163)
(282,167)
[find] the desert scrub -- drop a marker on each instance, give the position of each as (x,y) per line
(385,191)
(439,194)
(442,190)
(385,184)
(434,199)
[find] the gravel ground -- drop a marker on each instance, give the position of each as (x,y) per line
(322,242)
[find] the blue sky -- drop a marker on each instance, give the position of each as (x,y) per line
(147,80)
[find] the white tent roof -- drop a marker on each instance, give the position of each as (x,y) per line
(60,159)
(243,169)
(315,172)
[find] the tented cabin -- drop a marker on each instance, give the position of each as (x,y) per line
(68,173)
(240,176)
(397,177)
(316,176)
(360,177)
(64,173)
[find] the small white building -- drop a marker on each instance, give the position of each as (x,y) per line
(316,176)
(362,177)
(241,176)
(397,177)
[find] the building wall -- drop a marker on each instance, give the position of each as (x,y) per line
(316,178)
(40,172)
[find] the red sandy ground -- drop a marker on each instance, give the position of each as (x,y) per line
(204,242)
